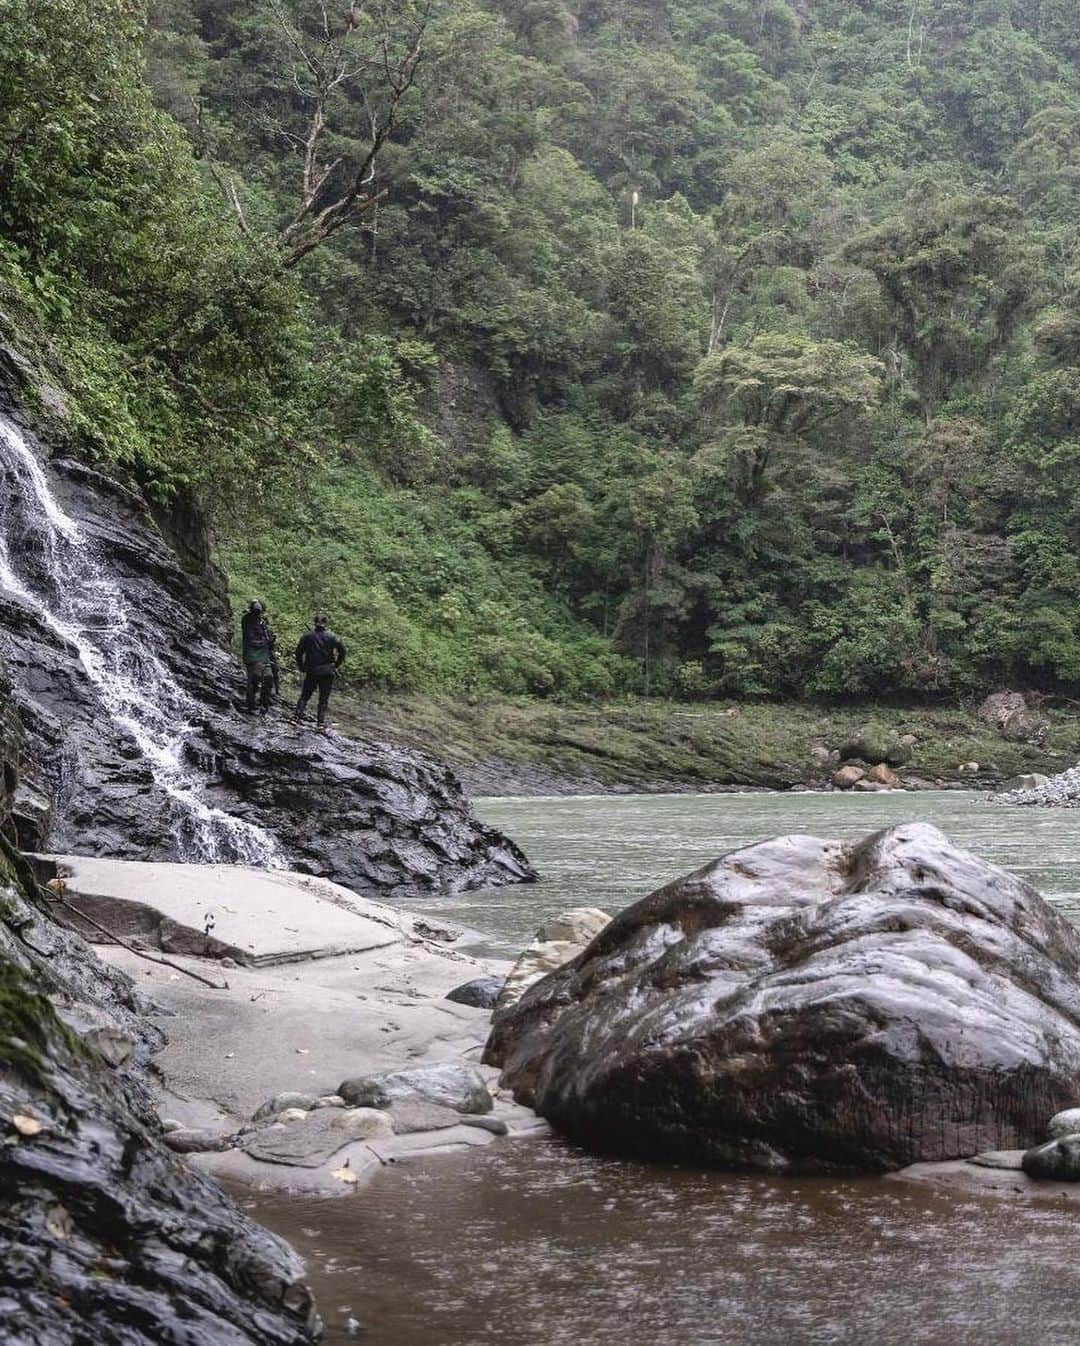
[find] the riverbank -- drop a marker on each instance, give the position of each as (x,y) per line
(521,747)
(277,984)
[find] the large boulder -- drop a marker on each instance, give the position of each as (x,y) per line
(806,1004)
(1012,717)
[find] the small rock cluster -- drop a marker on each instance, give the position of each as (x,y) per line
(304,1130)
(867,761)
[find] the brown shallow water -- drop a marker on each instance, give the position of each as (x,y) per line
(536,1242)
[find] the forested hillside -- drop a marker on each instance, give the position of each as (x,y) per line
(581,346)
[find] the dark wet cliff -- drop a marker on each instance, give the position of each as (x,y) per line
(112,631)
(105,1235)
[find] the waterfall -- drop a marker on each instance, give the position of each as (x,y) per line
(73,595)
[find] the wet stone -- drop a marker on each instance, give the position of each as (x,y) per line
(1065,1123)
(190,1140)
(906,977)
(280,1102)
(409,1115)
(306,1144)
(1057,1160)
(447,1083)
(481,993)
(495,1125)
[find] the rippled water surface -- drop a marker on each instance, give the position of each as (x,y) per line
(609,851)
(534,1242)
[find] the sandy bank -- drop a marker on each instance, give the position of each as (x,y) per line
(311,985)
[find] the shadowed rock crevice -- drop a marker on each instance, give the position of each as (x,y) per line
(805,1004)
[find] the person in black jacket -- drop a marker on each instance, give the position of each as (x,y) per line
(318,656)
(260,660)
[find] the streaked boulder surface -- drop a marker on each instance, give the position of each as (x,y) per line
(806,1004)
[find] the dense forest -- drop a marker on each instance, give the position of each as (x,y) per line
(579,347)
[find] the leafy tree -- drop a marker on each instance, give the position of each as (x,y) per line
(958,276)
(774,390)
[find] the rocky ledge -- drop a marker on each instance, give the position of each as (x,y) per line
(810,1005)
(114,634)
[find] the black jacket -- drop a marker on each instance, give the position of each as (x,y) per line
(319,652)
(257,637)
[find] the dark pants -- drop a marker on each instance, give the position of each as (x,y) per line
(260,682)
(323,682)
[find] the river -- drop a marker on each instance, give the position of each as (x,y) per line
(537,1242)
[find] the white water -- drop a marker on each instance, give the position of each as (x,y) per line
(85,608)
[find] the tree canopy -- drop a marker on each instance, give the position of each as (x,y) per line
(580,347)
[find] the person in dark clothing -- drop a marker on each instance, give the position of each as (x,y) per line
(318,656)
(260,660)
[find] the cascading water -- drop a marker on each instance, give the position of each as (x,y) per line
(73,595)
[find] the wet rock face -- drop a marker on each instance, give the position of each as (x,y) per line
(805,1005)
(373,817)
(104,1234)
(25,804)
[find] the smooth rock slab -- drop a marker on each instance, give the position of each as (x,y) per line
(308,1144)
(411,1115)
(808,1004)
(1011,1160)
(447,1083)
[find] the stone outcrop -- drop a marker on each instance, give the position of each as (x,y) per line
(805,1005)
(105,1235)
(557,942)
(374,817)
(1012,716)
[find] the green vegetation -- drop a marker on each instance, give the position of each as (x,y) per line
(510,745)
(580,347)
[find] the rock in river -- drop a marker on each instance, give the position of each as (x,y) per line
(809,1004)
(1065,1123)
